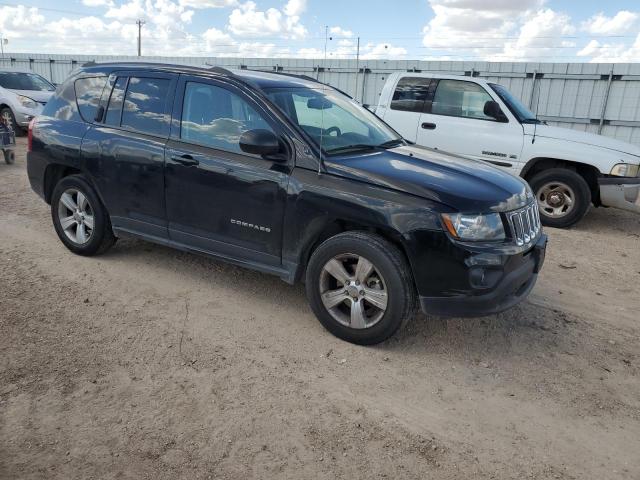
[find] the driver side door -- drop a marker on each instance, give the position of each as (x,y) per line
(218,198)
(455,122)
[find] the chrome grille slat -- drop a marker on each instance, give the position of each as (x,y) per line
(525,224)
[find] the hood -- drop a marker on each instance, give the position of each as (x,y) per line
(567,134)
(468,186)
(41,96)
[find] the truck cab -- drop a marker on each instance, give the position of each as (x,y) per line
(475,118)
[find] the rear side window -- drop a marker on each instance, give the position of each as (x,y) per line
(215,117)
(114,109)
(88,93)
(145,105)
(411,94)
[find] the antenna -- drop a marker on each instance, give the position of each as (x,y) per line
(321,160)
(535,125)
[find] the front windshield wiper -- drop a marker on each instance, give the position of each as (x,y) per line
(355,146)
(366,146)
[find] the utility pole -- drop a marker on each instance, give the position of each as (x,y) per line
(2,43)
(357,68)
(140,23)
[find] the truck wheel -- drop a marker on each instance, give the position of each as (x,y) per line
(360,287)
(81,221)
(563,196)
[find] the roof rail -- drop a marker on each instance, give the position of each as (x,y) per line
(220,70)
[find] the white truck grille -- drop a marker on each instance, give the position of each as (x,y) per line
(525,224)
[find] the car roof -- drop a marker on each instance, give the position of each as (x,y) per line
(15,70)
(255,78)
(441,76)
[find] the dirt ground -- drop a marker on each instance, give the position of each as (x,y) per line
(151,363)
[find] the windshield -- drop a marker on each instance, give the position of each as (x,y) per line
(522,113)
(24,81)
(333,120)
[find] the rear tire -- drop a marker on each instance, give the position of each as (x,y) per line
(81,221)
(375,294)
(563,196)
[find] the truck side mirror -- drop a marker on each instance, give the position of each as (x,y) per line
(493,110)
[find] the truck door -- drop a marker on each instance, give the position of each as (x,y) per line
(407,105)
(455,122)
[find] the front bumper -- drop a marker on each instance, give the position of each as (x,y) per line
(510,289)
(619,192)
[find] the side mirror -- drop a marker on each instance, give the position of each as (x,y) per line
(260,142)
(493,110)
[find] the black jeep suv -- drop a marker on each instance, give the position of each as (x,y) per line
(288,176)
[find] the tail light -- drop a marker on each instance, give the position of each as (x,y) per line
(32,124)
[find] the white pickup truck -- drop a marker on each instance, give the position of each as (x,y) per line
(567,170)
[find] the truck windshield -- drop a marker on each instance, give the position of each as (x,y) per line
(332,120)
(522,113)
(24,81)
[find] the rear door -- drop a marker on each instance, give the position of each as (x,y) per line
(219,198)
(455,122)
(407,104)
(127,148)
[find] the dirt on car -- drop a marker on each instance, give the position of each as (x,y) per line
(151,363)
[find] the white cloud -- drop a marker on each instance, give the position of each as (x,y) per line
(622,22)
(611,52)
(208,3)
(340,32)
(20,21)
(248,21)
(541,36)
(295,8)
(97,3)
(496,30)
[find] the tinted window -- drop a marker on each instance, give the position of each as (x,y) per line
(115,102)
(145,105)
(24,81)
(410,94)
(216,117)
(458,98)
(88,93)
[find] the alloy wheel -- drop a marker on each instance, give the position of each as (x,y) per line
(76,216)
(353,291)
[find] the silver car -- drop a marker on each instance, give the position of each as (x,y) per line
(23,94)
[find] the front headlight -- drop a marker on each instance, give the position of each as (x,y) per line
(474,227)
(625,170)
(27,102)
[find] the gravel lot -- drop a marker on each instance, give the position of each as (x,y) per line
(151,363)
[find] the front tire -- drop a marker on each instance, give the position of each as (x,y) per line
(563,196)
(9,119)
(81,221)
(360,288)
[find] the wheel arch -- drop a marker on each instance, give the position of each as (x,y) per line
(588,172)
(53,174)
(335,226)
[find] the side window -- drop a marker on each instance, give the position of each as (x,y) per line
(410,94)
(215,117)
(145,103)
(88,93)
(458,98)
(114,109)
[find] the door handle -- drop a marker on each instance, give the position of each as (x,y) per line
(428,126)
(186,160)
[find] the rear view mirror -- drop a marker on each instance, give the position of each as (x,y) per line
(318,103)
(493,110)
(260,142)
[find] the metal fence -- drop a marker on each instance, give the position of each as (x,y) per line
(592,97)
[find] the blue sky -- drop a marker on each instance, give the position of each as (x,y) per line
(508,30)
